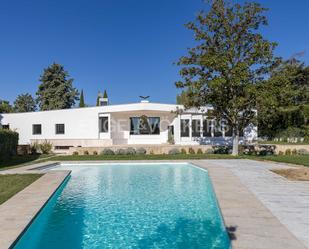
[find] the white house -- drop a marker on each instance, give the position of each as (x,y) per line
(125,124)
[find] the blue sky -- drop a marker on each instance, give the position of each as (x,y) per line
(127,47)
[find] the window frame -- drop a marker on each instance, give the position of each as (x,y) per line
(152,132)
(101,126)
(187,131)
(33,129)
(59,132)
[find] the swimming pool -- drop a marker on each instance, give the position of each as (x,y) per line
(130,206)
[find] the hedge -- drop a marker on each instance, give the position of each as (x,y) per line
(8,143)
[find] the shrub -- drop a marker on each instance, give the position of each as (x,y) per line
(151,152)
(95,153)
(191,151)
(107,152)
(8,143)
(34,148)
(121,152)
(183,151)
(294,152)
(75,153)
(174,151)
(130,151)
(199,151)
(222,149)
(302,152)
(86,152)
(209,151)
(288,152)
(46,147)
(141,151)
(280,153)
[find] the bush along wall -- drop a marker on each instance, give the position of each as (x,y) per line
(8,144)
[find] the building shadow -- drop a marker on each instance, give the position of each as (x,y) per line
(187,233)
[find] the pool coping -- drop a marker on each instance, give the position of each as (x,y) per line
(17,213)
(249,223)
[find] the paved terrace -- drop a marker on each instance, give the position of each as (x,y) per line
(261,209)
(244,187)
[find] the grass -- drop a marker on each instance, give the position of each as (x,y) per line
(283,143)
(12,184)
(140,157)
(17,161)
(294,159)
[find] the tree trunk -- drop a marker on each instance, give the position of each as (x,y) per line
(235,142)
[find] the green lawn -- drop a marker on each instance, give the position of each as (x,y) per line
(17,161)
(12,184)
(140,157)
(294,159)
(283,143)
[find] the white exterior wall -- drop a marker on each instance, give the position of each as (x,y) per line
(82,125)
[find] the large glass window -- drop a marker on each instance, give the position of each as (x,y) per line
(184,126)
(196,128)
(36,129)
(103,124)
(144,125)
(59,129)
(207,127)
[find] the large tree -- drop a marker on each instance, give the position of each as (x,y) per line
(283,100)
(24,103)
(5,107)
(56,90)
(231,57)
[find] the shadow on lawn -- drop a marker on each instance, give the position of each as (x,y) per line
(18,160)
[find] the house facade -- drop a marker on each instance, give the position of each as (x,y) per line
(126,124)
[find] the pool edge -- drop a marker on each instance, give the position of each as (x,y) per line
(18,213)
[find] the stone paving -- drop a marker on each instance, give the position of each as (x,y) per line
(287,200)
(17,212)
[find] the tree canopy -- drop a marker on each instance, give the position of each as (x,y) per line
(24,103)
(5,107)
(283,101)
(230,58)
(56,90)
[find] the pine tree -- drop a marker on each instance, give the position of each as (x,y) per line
(98,98)
(81,99)
(105,94)
(56,90)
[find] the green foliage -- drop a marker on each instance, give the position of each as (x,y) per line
(56,90)
(222,149)
(75,153)
(173,151)
(5,107)
(34,148)
(130,151)
(86,152)
(288,152)
(230,59)
(25,103)
(141,151)
(120,152)
(191,151)
(107,151)
(46,147)
(95,153)
(283,100)
(81,99)
(183,151)
(199,151)
(181,99)
(105,94)
(8,144)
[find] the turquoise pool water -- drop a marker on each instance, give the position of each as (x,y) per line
(130,206)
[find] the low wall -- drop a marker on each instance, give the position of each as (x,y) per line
(150,149)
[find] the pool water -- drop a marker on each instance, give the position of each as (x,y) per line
(130,206)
